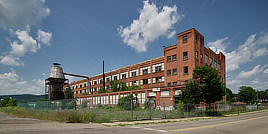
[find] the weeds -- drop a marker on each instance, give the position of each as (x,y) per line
(68,116)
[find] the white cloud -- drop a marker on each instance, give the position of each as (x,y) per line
(10,61)
(11,83)
(250,73)
(15,16)
(219,45)
(152,23)
(19,13)
(247,52)
(265,71)
(233,82)
(25,44)
(44,37)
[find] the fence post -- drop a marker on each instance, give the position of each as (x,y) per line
(187,110)
(150,111)
(178,107)
(164,114)
(238,109)
(131,108)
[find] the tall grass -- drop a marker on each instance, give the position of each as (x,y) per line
(68,116)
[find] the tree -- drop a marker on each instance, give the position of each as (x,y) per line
(68,94)
(8,102)
(205,86)
(125,102)
(102,90)
(229,95)
(246,94)
(191,94)
(210,85)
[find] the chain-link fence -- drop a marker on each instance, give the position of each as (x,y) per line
(128,111)
(50,105)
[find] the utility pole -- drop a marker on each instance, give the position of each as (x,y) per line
(257,99)
(103,75)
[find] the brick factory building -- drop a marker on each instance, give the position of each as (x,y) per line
(160,78)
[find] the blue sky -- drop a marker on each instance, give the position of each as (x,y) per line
(81,34)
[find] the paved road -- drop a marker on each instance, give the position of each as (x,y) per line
(256,123)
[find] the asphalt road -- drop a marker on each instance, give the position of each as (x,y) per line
(256,123)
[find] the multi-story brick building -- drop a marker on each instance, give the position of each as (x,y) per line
(160,78)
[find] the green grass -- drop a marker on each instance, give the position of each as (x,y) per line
(68,116)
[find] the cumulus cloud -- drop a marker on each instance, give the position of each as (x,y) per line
(19,13)
(218,45)
(233,82)
(25,43)
(12,83)
(253,48)
(265,71)
(152,23)
(254,71)
(44,37)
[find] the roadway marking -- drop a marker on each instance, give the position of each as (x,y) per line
(151,129)
(218,124)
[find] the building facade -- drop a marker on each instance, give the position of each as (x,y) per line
(160,78)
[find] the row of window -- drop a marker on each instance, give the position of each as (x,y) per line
(174,71)
(133,73)
(174,58)
(80,85)
(184,39)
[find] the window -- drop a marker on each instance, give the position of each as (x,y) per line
(95,82)
(185,70)
(169,84)
(134,74)
(145,81)
(186,82)
(80,91)
(201,42)
(76,86)
(76,92)
(196,38)
(101,81)
(215,64)
(168,72)
(196,55)
(158,69)
(124,76)
(206,59)
(211,62)
(174,71)
(95,89)
(175,83)
(85,84)
(133,83)
(107,79)
(115,77)
(184,39)
(174,57)
(157,79)
(201,57)
(185,55)
(144,71)
(80,86)
(219,67)
(169,59)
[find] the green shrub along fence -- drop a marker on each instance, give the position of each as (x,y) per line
(127,111)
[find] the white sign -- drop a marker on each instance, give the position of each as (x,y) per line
(156,89)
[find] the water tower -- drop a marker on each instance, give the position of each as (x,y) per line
(55,83)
